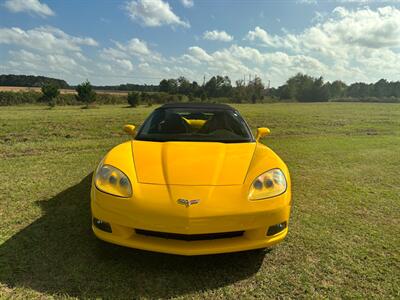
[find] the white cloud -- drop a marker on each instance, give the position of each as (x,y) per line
(30,6)
(137,46)
(46,51)
(125,64)
(133,48)
(260,34)
(153,13)
(199,54)
(365,28)
(216,35)
(237,61)
(125,57)
(119,59)
(187,3)
(318,17)
(44,39)
(113,53)
(266,39)
(345,29)
(60,65)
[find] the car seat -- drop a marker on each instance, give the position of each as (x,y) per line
(174,123)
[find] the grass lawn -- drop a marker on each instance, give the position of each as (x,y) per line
(344,236)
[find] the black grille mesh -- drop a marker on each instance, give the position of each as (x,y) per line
(190,237)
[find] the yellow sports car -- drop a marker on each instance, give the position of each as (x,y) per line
(193,180)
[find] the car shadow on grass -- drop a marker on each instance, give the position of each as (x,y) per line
(58,254)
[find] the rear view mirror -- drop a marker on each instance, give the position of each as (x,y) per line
(262,132)
(129,129)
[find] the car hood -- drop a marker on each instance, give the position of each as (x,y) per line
(192,163)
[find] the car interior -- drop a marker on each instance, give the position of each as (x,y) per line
(199,123)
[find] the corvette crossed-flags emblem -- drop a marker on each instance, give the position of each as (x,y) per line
(187,203)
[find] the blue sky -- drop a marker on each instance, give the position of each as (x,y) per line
(143,41)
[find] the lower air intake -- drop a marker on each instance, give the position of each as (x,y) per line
(190,237)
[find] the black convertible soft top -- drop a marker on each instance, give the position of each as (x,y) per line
(197,105)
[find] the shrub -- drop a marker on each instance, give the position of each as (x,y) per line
(30,97)
(67,99)
(133,98)
(86,94)
(50,91)
(110,98)
(160,97)
(15,98)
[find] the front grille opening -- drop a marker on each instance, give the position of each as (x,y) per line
(190,237)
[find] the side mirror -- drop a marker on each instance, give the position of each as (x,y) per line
(262,132)
(129,129)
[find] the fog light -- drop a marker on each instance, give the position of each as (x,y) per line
(274,229)
(104,226)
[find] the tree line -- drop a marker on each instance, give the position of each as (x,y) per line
(216,87)
(305,88)
(300,87)
(31,81)
(128,87)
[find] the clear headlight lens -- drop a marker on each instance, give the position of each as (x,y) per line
(113,181)
(269,184)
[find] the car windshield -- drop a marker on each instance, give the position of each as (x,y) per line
(202,125)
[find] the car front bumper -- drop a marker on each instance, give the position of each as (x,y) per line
(253,219)
(246,242)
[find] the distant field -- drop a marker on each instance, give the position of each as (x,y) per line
(344,232)
(62,91)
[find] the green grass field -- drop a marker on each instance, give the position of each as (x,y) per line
(344,236)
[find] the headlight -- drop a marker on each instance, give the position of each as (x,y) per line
(269,184)
(112,181)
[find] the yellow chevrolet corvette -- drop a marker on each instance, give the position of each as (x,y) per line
(193,180)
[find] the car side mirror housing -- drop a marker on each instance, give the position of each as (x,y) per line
(130,129)
(262,132)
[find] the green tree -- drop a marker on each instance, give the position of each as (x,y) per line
(239,91)
(285,92)
(184,86)
(194,89)
(172,86)
(359,90)
(211,87)
(218,86)
(319,91)
(336,89)
(225,85)
(381,89)
(164,86)
(133,99)
(86,94)
(299,87)
(255,89)
(50,92)
(306,88)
